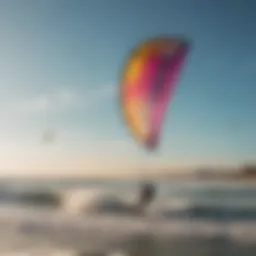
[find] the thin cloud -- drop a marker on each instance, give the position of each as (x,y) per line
(62,101)
(42,103)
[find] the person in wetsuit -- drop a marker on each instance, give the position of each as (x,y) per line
(146,195)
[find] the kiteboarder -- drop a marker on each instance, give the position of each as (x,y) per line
(113,205)
(146,196)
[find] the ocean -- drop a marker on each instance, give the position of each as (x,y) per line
(188,218)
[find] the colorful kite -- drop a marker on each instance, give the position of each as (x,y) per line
(147,84)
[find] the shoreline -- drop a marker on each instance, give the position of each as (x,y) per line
(192,178)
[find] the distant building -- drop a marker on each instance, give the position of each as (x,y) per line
(248,170)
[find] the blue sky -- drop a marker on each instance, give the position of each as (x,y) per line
(60,63)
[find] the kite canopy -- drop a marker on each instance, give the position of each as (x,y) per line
(147,84)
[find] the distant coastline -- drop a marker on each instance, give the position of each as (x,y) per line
(245,173)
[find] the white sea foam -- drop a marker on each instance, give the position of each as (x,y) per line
(45,224)
(68,230)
